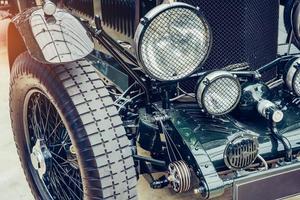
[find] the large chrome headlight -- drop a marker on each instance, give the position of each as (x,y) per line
(172,41)
(219,93)
(292,76)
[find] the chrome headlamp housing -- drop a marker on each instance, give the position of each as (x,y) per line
(172,41)
(292,76)
(218,93)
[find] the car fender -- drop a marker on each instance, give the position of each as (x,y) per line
(60,38)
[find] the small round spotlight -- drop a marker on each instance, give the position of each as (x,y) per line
(219,93)
(172,41)
(292,76)
(49,8)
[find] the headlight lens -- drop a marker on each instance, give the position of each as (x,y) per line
(292,76)
(296,83)
(218,93)
(172,41)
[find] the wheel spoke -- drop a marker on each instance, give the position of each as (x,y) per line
(47,132)
(47,116)
(53,131)
(63,181)
(59,145)
(66,174)
(55,183)
(40,115)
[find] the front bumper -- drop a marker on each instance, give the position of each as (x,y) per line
(277,183)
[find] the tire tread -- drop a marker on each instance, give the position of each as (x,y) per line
(101,123)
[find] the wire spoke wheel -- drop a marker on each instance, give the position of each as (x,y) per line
(69,135)
(53,159)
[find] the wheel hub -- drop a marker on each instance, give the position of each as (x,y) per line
(40,157)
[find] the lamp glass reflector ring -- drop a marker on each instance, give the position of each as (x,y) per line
(296,83)
(172,41)
(219,93)
(292,76)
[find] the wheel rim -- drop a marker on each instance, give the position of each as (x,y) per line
(52,157)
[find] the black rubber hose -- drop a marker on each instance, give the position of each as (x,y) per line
(284,141)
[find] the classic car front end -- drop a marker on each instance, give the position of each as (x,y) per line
(199,85)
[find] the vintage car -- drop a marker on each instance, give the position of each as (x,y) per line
(105,91)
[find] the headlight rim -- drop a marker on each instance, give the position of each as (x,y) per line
(152,15)
(213,76)
(291,73)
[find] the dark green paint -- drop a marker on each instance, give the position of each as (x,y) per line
(212,134)
(113,73)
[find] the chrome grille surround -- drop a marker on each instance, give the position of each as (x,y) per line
(241,151)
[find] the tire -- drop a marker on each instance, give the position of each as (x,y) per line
(102,151)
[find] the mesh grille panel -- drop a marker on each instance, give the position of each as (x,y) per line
(119,15)
(84,6)
(296,83)
(221,96)
(176,33)
(243,32)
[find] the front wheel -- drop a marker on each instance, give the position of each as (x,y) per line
(69,136)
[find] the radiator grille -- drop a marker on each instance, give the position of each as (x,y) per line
(243,32)
(84,6)
(119,15)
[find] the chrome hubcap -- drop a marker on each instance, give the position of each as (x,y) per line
(40,157)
